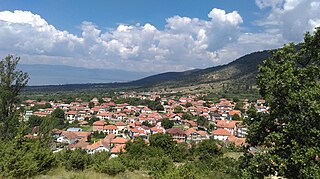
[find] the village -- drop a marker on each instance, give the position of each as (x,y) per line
(104,125)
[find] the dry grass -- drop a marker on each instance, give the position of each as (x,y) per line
(61,173)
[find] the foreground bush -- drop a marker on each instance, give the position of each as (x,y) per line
(24,158)
(111,167)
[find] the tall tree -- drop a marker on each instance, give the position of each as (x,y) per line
(288,136)
(11,83)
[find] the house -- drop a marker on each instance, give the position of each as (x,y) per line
(157,129)
(120,126)
(118,141)
(242,130)
(67,137)
(98,126)
(71,115)
(99,146)
(104,116)
(110,129)
(177,134)
(80,144)
(83,135)
(118,149)
(139,131)
(195,136)
(221,134)
(230,126)
(236,141)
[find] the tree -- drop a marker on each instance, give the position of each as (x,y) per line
(163,141)
(167,123)
(203,121)
(288,136)
(57,113)
(58,116)
(208,148)
(34,121)
(11,83)
(177,109)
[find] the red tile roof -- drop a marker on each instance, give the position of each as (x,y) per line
(221,132)
(99,123)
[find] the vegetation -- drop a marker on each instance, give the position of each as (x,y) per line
(287,137)
(11,83)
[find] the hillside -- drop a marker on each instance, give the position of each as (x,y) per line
(242,70)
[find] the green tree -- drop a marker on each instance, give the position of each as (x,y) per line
(58,116)
(34,121)
(57,113)
(208,148)
(11,83)
(111,167)
(288,136)
(177,109)
(167,123)
(203,121)
(163,141)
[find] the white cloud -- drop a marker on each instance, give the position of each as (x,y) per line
(185,43)
(290,18)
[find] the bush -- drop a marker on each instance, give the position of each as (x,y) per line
(111,167)
(24,159)
(74,160)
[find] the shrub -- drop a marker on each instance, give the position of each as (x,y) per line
(111,167)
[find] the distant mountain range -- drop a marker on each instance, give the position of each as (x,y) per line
(242,70)
(41,74)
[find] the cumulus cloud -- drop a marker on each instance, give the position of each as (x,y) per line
(185,43)
(290,18)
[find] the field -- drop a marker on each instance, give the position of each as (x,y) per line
(60,173)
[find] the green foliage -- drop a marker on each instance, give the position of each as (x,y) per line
(58,116)
(11,83)
(33,121)
(167,123)
(111,167)
(158,166)
(40,106)
(163,141)
(57,113)
(203,121)
(99,135)
(74,159)
(177,109)
(20,158)
(236,117)
(288,136)
(187,116)
(92,120)
(208,148)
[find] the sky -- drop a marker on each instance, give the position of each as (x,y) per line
(149,35)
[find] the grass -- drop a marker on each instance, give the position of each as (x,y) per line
(234,155)
(61,173)
(86,128)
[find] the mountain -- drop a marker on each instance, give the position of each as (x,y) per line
(41,74)
(242,70)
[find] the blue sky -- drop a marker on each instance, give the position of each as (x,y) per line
(69,14)
(149,35)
